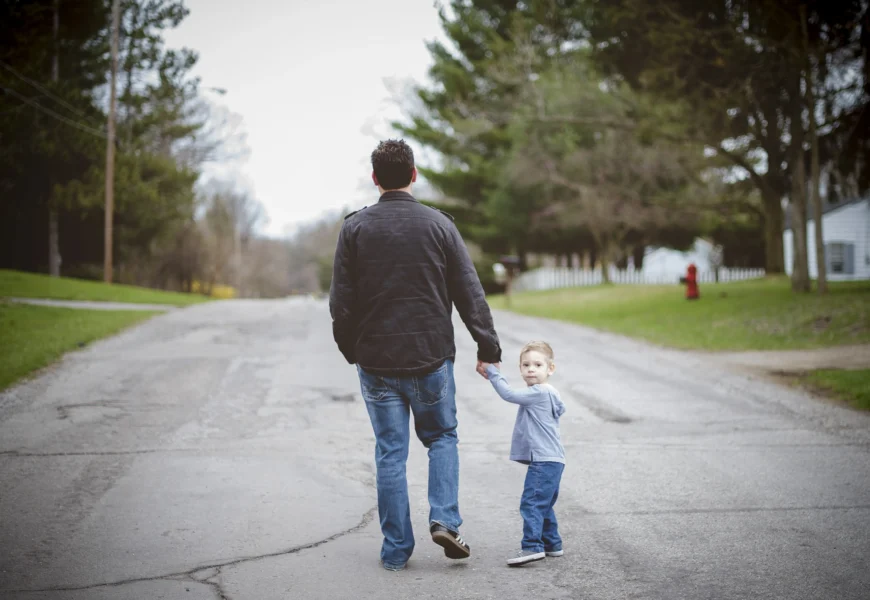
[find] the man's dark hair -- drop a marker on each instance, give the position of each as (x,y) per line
(393,164)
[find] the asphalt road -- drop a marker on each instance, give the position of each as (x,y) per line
(223,451)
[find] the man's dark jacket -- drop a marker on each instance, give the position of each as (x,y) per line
(399,267)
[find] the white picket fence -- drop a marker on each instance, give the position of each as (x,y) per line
(549,278)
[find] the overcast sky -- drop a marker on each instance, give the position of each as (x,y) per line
(310,80)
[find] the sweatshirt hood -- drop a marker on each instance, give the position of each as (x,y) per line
(556,404)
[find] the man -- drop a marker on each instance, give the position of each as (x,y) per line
(399,268)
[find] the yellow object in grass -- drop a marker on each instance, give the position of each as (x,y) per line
(219,291)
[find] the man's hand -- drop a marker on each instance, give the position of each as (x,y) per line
(481,368)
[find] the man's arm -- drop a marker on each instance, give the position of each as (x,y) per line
(342,296)
(467,294)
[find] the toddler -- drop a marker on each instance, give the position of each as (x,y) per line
(536,443)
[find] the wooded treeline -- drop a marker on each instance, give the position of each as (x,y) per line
(170,231)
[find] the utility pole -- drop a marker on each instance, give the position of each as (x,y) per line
(53,243)
(110,147)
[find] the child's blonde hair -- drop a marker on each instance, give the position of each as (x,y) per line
(542,347)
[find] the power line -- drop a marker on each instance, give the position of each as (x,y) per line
(20,106)
(44,91)
(52,113)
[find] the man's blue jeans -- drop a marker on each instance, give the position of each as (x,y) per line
(540,529)
(432,399)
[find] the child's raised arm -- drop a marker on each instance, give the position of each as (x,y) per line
(525,396)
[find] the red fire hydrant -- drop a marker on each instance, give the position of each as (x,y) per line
(691,281)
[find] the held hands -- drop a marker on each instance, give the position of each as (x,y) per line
(481,368)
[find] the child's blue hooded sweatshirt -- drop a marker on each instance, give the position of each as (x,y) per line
(536,432)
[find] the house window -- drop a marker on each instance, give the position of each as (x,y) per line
(840,257)
(837,257)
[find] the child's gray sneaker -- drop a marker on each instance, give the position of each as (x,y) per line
(525,556)
(554,552)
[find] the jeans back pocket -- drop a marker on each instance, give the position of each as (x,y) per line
(373,387)
(432,388)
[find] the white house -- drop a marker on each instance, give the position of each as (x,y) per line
(846,231)
(672,264)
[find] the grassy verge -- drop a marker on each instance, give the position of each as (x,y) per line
(32,337)
(15,284)
(752,315)
(852,387)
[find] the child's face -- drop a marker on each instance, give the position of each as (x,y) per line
(535,367)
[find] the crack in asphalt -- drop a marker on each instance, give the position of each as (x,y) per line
(190,575)
(20,454)
(219,591)
(739,509)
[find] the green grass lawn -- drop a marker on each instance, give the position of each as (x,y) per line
(852,387)
(16,284)
(32,337)
(752,315)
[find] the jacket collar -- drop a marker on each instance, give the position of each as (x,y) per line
(396,195)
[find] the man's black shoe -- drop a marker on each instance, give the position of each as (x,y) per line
(452,542)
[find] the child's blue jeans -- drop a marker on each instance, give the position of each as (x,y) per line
(540,529)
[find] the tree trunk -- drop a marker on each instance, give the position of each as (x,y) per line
(53,241)
(53,235)
(639,252)
(605,257)
(800,277)
(622,261)
(821,267)
(605,270)
(773,225)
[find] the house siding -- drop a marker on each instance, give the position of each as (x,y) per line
(849,225)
